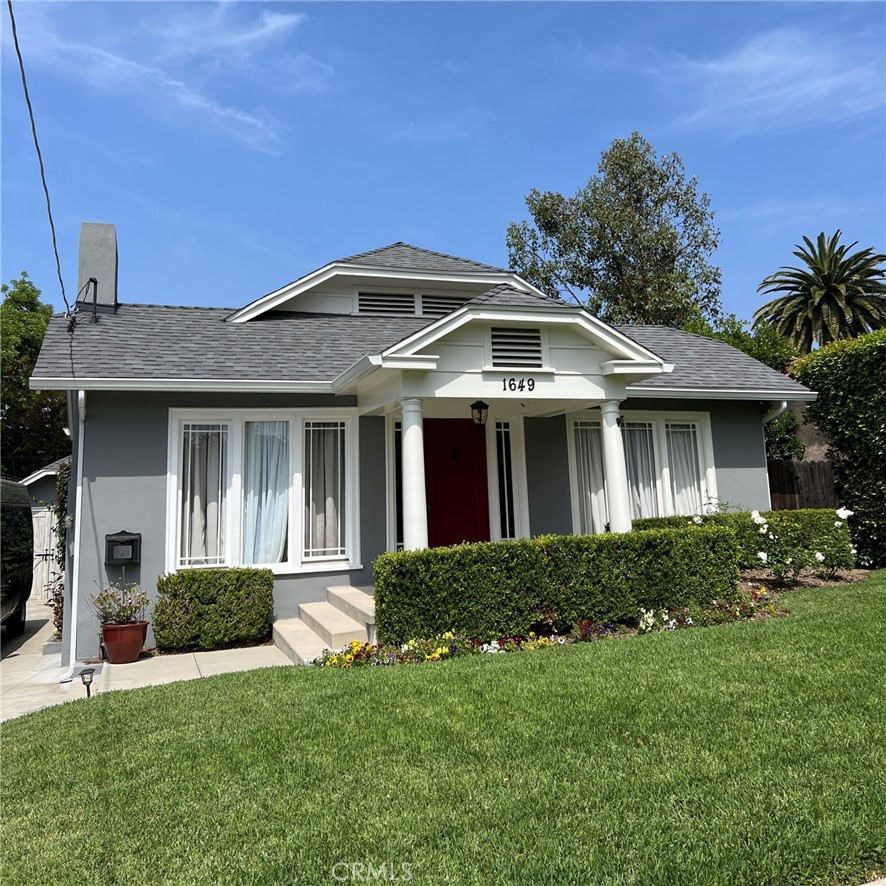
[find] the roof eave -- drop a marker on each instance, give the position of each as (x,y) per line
(722,393)
(254,385)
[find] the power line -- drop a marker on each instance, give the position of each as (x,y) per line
(21,67)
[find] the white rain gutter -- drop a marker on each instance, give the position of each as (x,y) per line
(78,519)
(776,413)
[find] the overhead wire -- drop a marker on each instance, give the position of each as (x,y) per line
(21,67)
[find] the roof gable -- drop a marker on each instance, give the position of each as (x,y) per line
(396,263)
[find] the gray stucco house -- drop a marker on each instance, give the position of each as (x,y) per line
(331,420)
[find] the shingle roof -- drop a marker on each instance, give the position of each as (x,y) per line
(404,256)
(159,341)
(705,363)
(505,294)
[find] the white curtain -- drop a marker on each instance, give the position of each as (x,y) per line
(324,489)
(204,483)
(592,511)
(685,470)
(640,459)
(266,492)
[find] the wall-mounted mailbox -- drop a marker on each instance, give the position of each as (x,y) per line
(123,548)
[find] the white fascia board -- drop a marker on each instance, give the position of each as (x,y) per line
(289,386)
(321,275)
(38,475)
(356,372)
(598,331)
(720,393)
(272,299)
(636,367)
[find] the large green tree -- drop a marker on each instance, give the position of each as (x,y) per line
(31,422)
(837,294)
(633,244)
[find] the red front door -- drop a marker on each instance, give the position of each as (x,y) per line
(455,477)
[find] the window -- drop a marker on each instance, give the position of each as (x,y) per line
(324,474)
(505,471)
(686,482)
(266,492)
(669,462)
(276,489)
(204,491)
(639,449)
(591,490)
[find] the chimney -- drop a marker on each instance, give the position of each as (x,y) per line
(98,259)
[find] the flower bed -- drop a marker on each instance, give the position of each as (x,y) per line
(753,603)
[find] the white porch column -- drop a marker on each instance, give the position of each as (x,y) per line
(415,509)
(615,469)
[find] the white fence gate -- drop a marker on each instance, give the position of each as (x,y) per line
(44,552)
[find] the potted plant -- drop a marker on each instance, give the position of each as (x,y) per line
(121,611)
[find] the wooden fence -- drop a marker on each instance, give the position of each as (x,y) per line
(801,484)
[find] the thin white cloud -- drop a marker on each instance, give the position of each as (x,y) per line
(778,212)
(783,79)
(181,62)
(439,131)
(105,70)
(219,29)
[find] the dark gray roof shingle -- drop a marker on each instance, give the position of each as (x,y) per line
(705,363)
(404,256)
(505,294)
(158,341)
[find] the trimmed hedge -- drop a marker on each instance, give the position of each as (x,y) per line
(808,530)
(609,577)
(497,589)
(213,608)
(850,377)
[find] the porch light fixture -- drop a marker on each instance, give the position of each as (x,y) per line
(86,676)
(479,412)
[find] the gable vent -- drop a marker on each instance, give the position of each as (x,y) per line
(518,348)
(386,303)
(441,305)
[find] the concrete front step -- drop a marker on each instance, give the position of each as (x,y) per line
(333,626)
(357,603)
(297,641)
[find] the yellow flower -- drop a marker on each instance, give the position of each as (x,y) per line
(349,657)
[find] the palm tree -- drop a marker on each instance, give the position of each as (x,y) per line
(838,295)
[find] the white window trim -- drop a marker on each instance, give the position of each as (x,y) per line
(236,419)
(659,421)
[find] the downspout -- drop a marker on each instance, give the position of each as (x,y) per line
(77,547)
(776,413)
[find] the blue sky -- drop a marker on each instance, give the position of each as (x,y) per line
(237,146)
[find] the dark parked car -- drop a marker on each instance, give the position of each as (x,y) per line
(16,555)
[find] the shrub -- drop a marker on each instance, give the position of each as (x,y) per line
(213,608)
(803,531)
(499,589)
(489,589)
(850,377)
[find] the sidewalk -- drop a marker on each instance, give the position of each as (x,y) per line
(29,680)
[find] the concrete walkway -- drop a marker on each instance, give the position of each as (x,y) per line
(29,680)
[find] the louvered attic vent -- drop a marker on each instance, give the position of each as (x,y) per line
(517,348)
(386,303)
(441,305)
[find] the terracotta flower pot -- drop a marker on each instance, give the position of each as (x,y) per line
(124,643)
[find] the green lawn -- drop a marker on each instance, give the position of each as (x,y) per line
(753,753)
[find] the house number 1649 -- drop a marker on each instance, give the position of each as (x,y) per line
(518,384)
